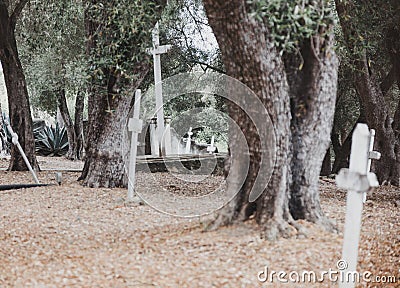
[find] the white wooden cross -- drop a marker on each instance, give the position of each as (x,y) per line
(357,180)
(135,126)
(156,51)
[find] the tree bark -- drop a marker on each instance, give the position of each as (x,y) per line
(104,161)
(250,56)
(326,168)
(79,107)
(313,97)
(68,124)
(18,100)
(254,63)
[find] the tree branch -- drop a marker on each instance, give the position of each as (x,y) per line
(17,11)
(208,66)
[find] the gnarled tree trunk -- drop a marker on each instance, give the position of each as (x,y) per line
(108,112)
(250,56)
(18,100)
(313,95)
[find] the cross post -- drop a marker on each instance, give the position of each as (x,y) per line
(156,51)
(135,126)
(357,180)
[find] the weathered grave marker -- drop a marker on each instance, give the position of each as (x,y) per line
(154,144)
(211,148)
(134,126)
(167,136)
(188,141)
(358,180)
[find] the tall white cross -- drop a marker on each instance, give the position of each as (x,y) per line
(358,180)
(156,51)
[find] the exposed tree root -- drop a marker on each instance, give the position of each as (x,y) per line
(275,228)
(327,224)
(224,217)
(301,230)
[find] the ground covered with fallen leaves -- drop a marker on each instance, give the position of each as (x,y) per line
(73,236)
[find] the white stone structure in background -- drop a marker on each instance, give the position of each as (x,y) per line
(357,180)
(166,139)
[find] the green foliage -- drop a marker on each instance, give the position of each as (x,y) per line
(204,113)
(184,25)
(290,22)
(119,36)
(370,20)
(51,42)
(51,141)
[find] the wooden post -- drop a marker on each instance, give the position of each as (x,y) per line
(358,180)
(135,126)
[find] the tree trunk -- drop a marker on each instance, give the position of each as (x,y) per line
(104,162)
(18,101)
(342,153)
(250,56)
(326,168)
(313,98)
(79,107)
(68,124)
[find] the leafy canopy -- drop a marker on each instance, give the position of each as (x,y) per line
(290,22)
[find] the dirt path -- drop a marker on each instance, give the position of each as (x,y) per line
(71,236)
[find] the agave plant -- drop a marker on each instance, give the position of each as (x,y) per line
(51,141)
